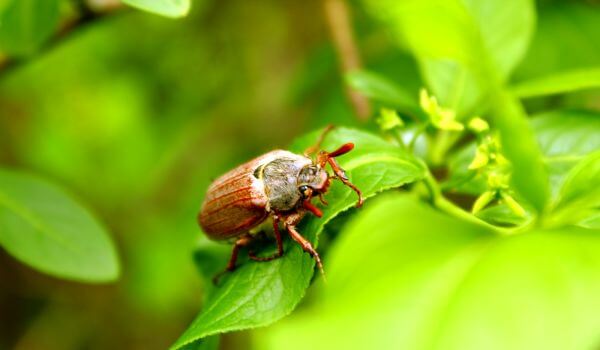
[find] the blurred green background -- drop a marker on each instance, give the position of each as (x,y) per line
(135,114)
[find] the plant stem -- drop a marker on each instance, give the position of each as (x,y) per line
(440,202)
(439,147)
(337,15)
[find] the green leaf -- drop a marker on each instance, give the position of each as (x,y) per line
(210,343)
(26,24)
(501,215)
(556,83)
(565,138)
(566,38)
(567,134)
(592,222)
(405,276)
(383,90)
(168,8)
(506,28)
(43,227)
(260,293)
(579,196)
(583,182)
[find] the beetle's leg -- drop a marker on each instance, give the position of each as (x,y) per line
(310,207)
(306,246)
(279,244)
(316,147)
(341,175)
(241,242)
(322,199)
(329,157)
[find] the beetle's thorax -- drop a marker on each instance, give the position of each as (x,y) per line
(281,180)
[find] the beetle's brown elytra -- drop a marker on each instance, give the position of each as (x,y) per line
(280,185)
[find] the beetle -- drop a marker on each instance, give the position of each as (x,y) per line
(278,185)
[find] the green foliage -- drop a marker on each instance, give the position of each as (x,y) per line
(483,41)
(46,229)
(559,83)
(424,280)
(257,293)
(566,39)
(565,137)
(26,24)
(421,280)
(567,134)
(169,8)
(579,196)
(487,238)
(381,89)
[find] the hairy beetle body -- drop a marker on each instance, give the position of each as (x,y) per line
(242,198)
(278,184)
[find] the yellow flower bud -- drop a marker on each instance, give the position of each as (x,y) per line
(389,119)
(481,159)
(512,204)
(478,125)
(441,118)
(482,201)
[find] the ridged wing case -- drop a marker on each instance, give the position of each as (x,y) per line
(236,202)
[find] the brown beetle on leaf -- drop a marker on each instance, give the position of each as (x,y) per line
(279,185)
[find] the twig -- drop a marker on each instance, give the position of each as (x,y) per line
(88,14)
(338,19)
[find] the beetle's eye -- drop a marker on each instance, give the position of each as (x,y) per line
(304,190)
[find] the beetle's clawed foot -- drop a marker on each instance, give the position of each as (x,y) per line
(217,278)
(317,258)
(306,246)
(310,250)
(322,199)
(360,201)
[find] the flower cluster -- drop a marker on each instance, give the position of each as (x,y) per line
(494,167)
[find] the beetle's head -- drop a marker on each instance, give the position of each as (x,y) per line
(312,180)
